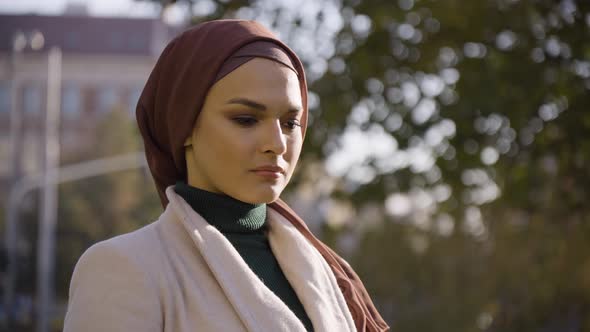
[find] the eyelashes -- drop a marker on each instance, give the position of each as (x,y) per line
(292,124)
(245,121)
(249,122)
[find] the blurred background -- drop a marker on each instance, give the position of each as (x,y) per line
(447,156)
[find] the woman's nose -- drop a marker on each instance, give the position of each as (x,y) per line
(274,139)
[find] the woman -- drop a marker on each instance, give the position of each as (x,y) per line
(223,116)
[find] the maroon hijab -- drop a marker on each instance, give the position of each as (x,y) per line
(172,99)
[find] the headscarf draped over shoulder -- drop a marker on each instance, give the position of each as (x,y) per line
(171,102)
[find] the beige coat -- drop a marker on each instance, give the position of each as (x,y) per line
(181,274)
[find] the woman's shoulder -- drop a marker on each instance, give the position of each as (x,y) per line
(146,248)
(134,247)
(113,278)
(133,240)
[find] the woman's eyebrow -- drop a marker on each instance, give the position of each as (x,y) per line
(255,105)
(248,103)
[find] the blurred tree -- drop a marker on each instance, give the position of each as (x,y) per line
(485,100)
(207,9)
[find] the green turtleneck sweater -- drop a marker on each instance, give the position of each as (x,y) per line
(244,225)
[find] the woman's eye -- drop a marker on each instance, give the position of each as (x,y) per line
(292,124)
(245,121)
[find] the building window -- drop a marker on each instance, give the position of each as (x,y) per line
(72,39)
(138,42)
(116,41)
(4,97)
(32,99)
(107,99)
(71,103)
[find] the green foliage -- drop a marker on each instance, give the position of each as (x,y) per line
(523,91)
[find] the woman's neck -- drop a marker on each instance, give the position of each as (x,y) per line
(225,213)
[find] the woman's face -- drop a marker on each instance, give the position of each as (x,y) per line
(247,138)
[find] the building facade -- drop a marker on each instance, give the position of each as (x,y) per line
(105,63)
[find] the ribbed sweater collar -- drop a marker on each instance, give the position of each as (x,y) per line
(225,213)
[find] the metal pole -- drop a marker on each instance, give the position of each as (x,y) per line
(46,245)
(16,147)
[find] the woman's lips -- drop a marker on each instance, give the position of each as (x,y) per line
(269,172)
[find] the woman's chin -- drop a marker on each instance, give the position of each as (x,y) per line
(260,195)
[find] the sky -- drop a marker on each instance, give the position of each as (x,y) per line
(129,8)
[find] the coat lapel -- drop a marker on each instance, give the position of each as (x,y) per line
(256,305)
(309,275)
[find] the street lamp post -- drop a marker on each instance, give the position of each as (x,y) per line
(47,229)
(19,42)
(48,208)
